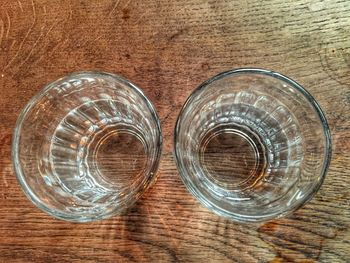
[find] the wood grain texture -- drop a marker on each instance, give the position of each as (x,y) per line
(168,48)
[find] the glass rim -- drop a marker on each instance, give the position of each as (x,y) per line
(297,87)
(17,133)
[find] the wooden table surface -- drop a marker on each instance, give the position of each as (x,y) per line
(168,48)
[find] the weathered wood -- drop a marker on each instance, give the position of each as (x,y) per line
(168,48)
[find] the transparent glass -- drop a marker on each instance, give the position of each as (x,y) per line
(87,146)
(252,145)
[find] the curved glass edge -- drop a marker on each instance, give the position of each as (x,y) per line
(17,132)
(312,101)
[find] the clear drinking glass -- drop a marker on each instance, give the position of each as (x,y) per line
(87,146)
(252,145)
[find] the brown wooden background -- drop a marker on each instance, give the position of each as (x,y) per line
(168,48)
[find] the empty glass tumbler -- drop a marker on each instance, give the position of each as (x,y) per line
(87,146)
(252,145)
